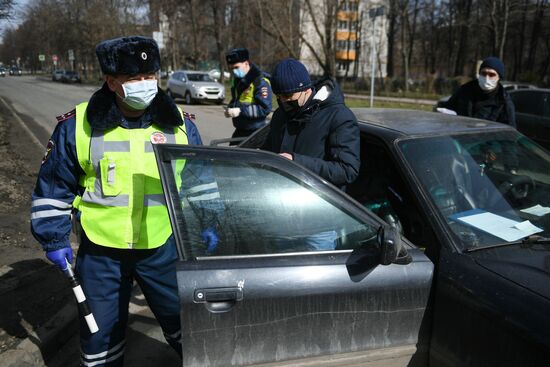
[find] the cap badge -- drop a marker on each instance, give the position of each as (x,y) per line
(144,56)
(158,138)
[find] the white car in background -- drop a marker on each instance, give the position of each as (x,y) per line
(215,74)
(194,86)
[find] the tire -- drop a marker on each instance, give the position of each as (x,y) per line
(219,101)
(188,98)
(170,94)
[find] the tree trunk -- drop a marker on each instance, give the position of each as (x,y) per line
(392,17)
(464,16)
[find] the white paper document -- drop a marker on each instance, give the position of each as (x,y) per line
(499,226)
(537,210)
(446,111)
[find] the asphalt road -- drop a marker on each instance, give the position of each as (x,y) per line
(42,100)
(31,104)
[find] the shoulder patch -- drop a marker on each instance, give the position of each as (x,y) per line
(48,151)
(66,115)
(190,116)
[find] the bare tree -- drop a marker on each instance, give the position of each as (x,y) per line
(6,8)
(322,16)
(408,15)
(279,24)
(219,8)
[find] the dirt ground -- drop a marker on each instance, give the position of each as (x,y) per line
(31,290)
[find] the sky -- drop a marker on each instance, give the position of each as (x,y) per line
(12,23)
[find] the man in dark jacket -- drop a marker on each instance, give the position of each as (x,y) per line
(485,97)
(312,125)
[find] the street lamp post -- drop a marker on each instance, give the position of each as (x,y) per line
(373,13)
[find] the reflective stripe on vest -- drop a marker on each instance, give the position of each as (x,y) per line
(123,203)
(247,96)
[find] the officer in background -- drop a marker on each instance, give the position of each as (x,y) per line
(100,170)
(250,94)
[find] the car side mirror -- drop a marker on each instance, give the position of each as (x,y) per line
(391,246)
(183,79)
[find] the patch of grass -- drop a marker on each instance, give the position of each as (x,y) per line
(402,94)
(352,102)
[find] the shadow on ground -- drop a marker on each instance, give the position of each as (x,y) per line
(31,293)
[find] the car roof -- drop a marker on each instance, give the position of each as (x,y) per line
(536,90)
(196,72)
(403,123)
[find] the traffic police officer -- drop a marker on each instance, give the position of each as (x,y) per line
(250,94)
(100,170)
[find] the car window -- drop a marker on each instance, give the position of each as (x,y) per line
(381,188)
(501,175)
(529,102)
(254,209)
(199,77)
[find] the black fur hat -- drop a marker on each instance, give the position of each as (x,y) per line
(128,55)
(236,55)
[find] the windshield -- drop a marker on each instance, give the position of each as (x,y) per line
(490,188)
(199,77)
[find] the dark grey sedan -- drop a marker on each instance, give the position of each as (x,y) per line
(303,274)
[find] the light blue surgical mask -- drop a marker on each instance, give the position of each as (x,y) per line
(139,95)
(239,73)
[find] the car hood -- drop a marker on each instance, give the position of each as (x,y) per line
(207,84)
(528,267)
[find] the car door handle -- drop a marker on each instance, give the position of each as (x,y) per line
(218,300)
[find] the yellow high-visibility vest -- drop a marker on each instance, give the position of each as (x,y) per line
(123,203)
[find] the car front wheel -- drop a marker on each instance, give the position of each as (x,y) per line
(170,94)
(188,99)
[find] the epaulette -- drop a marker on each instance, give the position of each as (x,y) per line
(66,115)
(190,116)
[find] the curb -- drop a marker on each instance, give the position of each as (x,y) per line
(35,350)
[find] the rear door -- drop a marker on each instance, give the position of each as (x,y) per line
(177,85)
(277,265)
(532,114)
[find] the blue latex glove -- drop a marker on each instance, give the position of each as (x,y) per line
(60,257)
(210,238)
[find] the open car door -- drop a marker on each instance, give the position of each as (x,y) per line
(277,266)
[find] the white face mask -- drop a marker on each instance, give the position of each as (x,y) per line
(139,95)
(487,84)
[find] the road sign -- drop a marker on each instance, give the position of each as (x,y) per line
(41,57)
(71,55)
(159,38)
(54,58)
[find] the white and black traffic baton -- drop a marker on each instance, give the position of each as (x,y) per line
(81,299)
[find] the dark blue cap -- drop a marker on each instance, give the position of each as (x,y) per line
(128,55)
(237,55)
(290,76)
(493,63)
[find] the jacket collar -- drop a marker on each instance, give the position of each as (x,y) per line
(103,113)
(248,79)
